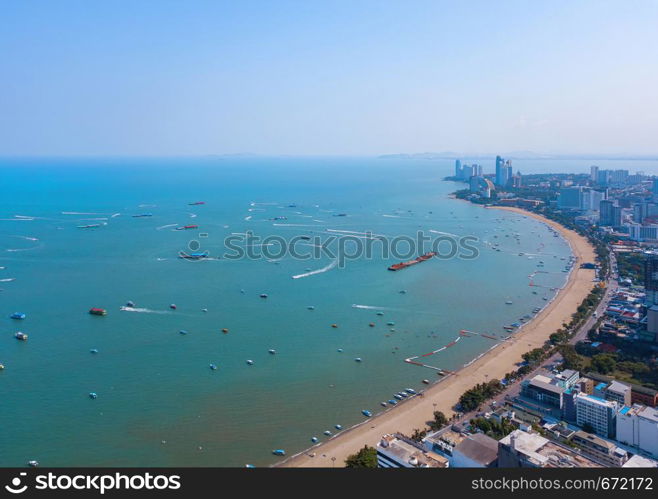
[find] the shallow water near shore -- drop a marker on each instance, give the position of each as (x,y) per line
(158,402)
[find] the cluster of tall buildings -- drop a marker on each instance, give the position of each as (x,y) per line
(486,184)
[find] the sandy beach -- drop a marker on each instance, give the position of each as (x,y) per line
(443,396)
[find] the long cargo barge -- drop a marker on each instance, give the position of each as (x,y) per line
(404,265)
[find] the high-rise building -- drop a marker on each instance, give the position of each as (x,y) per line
(610,214)
(570,198)
(651,278)
(458,168)
(500,171)
(600,414)
(594,173)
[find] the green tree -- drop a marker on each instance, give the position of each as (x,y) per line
(604,363)
(365,458)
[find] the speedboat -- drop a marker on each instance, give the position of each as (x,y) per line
(398,396)
(366,413)
(172,306)
(279,452)
(21,336)
(97,311)
(18,316)
(263,295)
(272,351)
(393,402)
(338,427)
(402,394)
(213,367)
(410,391)
(250,362)
(340,350)
(426,381)
(358,359)
(32,463)
(383,404)
(93,350)
(314,439)
(130,304)
(327,433)
(92,395)
(380,313)
(182,331)
(310,307)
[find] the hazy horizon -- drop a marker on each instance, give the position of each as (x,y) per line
(329,79)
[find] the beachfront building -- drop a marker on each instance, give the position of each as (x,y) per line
(520,449)
(599,413)
(397,451)
(463,450)
(543,389)
(637,426)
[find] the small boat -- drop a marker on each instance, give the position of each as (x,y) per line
(508,302)
(366,413)
(142,215)
(383,404)
(193,256)
(204,310)
(338,427)
(372,324)
(213,367)
(2,366)
(411,391)
(305,238)
(327,433)
(393,402)
(196,203)
(310,307)
(263,295)
(250,362)
(403,291)
(249,466)
(334,326)
(390,323)
(398,396)
(93,350)
(279,452)
(314,440)
(187,227)
(18,316)
(172,306)
(358,359)
(130,304)
(32,463)
(340,350)
(380,313)
(88,226)
(403,394)
(93,395)
(426,381)
(224,330)
(182,331)
(21,336)
(271,351)
(97,311)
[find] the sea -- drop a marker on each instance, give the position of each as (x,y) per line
(79,233)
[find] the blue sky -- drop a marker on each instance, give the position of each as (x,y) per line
(327,77)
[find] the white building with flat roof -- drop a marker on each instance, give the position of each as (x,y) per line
(395,451)
(598,413)
(637,426)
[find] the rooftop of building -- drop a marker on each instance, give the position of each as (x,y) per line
(596,440)
(479,448)
(405,451)
(637,461)
(618,387)
(642,411)
(546,453)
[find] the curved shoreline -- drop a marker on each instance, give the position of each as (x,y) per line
(444,395)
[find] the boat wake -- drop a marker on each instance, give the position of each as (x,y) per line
(443,233)
(165,226)
(144,310)
(9,279)
(318,271)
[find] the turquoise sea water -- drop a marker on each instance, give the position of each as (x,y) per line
(154,385)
